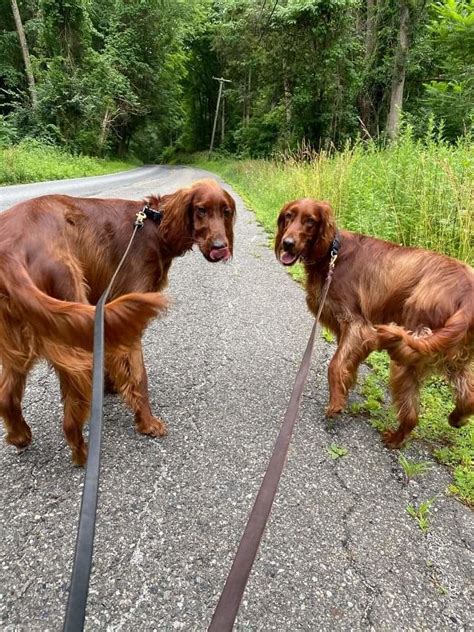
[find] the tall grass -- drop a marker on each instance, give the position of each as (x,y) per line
(416,193)
(31,161)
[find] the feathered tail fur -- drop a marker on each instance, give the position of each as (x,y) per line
(71,323)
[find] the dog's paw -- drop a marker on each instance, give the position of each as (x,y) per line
(456,421)
(334,409)
(21,439)
(79,455)
(392,439)
(153,427)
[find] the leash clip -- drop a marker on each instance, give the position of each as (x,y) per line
(332,261)
(140,217)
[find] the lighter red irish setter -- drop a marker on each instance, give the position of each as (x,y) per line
(416,304)
(57,255)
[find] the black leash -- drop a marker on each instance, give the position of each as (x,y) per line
(77,601)
(229,602)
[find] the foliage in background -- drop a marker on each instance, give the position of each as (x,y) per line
(136,76)
(451,94)
(108,74)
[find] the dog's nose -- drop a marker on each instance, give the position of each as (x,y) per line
(288,244)
(218,244)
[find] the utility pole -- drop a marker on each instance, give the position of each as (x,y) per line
(221,81)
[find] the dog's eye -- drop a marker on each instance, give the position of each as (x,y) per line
(310,222)
(201,211)
(227,212)
(288,216)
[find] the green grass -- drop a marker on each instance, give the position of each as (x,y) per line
(452,446)
(33,162)
(414,193)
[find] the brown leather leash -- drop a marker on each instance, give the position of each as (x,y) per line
(229,602)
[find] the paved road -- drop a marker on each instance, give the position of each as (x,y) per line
(340,551)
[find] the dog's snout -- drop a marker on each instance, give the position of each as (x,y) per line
(288,244)
(218,244)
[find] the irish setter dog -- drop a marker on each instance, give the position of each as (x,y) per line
(416,304)
(57,255)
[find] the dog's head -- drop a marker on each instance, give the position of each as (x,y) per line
(202,214)
(213,216)
(306,229)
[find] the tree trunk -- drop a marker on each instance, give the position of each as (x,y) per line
(366,105)
(286,96)
(247,105)
(26,54)
(104,131)
(370,29)
(399,71)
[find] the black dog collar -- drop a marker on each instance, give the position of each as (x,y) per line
(336,244)
(156,216)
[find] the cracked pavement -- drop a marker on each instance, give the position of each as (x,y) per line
(340,551)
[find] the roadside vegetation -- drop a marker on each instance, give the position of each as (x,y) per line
(413,192)
(31,161)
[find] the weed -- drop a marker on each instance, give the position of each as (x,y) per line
(421,513)
(411,469)
(327,335)
(336,451)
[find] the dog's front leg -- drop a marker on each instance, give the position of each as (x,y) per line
(128,374)
(355,343)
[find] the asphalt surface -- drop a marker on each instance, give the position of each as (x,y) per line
(340,551)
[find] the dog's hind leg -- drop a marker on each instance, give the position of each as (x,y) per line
(12,386)
(355,344)
(463,385)
(76,392)
(128,373)
(405,383)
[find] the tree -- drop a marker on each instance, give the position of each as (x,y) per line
(25,53)
(450,96)
(399,72)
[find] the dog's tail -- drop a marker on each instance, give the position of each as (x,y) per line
(72,323)
(406,347)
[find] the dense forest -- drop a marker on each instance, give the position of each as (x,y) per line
(118,77)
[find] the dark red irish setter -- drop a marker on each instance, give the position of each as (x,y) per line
(416,304)
(57,255)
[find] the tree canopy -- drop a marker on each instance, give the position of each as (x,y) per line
(137,76)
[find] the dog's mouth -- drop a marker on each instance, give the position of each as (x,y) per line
(214,255)
(289,258)
(219,254)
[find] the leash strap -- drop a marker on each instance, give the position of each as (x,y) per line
(77,600)
(229,602)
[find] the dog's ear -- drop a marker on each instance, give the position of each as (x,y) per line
(326,230)
(177,226)
(280,228)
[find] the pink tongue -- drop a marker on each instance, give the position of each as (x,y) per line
(218,254)
(287,257)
